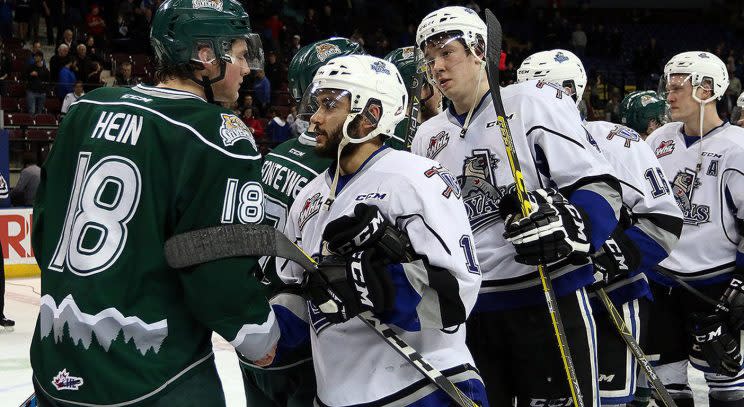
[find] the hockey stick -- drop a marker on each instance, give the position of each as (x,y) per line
(635,349)
(694,291)
(414,93)
(204,245)
(493,55)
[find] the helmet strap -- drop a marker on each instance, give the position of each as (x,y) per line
(481,70)
(206,83)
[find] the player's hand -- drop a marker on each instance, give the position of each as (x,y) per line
(553,230)
(617,258)
(712,342)
(344,287)
(733,298)
(266,360)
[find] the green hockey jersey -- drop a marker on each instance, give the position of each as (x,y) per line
(129,169)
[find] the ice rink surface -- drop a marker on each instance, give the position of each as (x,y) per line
(22,305)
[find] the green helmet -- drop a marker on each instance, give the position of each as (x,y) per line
(405,60)
(311,57)
(180,28)
(640,107)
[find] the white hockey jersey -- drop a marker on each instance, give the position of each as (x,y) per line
(352,364)
(554,150)
(712,201)
(657,221)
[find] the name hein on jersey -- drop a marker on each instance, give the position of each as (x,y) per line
(118,127)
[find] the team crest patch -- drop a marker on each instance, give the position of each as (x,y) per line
(407,53)
(626,133)
(665,148)
(437,144)
(326,50)
(379,67)
(480,194)
(3,187)
(450,182)
(683,187)
(310,208)
(63,381)
(648,99)
(560,58)
(233,129)
(213,4)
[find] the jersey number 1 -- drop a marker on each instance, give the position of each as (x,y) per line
(103,199)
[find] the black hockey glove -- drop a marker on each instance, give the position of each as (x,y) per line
(366,229)
(343,288)
(712,342)
(554,230)
(615,260)
(733,298)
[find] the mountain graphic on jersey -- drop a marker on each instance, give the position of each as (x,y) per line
(683,188)
(480,194)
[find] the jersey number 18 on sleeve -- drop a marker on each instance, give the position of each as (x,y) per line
(102,201)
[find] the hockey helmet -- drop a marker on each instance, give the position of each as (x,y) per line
(703,69)
(638,108)
(557,66)
(311,57)
(736,114)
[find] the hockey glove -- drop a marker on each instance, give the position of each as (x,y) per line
(554,229)
(343,288)
(366,229)
(615,260)
(712,342)
(733,297)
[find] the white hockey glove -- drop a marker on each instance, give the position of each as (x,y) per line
(554,230)
(345,287)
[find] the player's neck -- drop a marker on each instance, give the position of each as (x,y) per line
(185,85)
(710,121)
(466,102)
(351,163)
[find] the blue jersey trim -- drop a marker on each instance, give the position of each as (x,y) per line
(600,215)
(404,313)
(651,252)
(739,262)
(563,285)
(473,388)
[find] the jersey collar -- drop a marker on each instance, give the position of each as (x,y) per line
(306,139)
(167,93)
(690,140)
(346,179)
(459,119)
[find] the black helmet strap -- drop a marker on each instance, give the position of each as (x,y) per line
(206,83)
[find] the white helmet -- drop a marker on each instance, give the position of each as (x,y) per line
(740,100)
(454,19)
(699,65)
(556,66)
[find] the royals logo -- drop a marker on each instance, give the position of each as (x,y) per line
(560,58)
(63,381)
(623,132)
(437,144)
(683,187)
(326,50)
(449,180)
(480,194)
(310,208)
(233,129)
(380,67)
(665,148)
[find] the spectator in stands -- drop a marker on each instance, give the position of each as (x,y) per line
(273,70)
(93,53)
(37,81)
(33,27)
(83,63)
(67,38)
(310,29)
(255,125)
(262,91)
(292,115)
(248,102)
(278,130)
(274,27)
(25,189)
(126,11)
(124,76)
(35,47)
(5,67)
(67,78)
(612,108)
(50,12)
(734,88)
(578,41)
(93,80)
(58,61)
(6,19)
(23,17)
(96,24)
(293,47)
(72,97)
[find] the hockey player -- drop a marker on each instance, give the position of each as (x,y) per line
(650,224)
(425,288)
(286,170)
(510,331)
(5,323)
(703,157)
(643,111)
(430,98)
(736,116)
(130,168)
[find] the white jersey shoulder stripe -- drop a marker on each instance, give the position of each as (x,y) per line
(177,123)
(166,93)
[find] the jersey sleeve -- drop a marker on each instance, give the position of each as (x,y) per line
(439,288)
(220,186)
(732,185)
(569,157)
